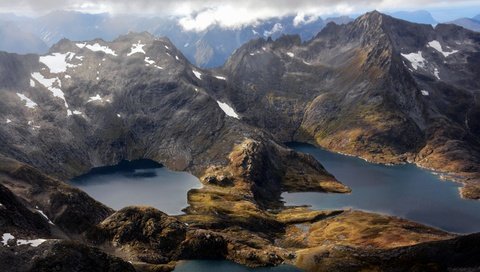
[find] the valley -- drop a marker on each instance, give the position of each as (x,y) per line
(379,88)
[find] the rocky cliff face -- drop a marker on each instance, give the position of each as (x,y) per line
(380,88)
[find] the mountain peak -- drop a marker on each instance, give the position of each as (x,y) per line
(373,15)
(370,19)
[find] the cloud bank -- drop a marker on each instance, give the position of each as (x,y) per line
(200,14)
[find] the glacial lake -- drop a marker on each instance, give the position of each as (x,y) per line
(227,266)
(402,190)
(138,183)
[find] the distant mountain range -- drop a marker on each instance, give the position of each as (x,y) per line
(469,23)
(19,41)
(208,48)
(419,17)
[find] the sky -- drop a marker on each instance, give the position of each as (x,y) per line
(199,14)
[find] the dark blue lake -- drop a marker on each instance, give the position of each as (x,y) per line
(139,183)
(402,190)
(226,266)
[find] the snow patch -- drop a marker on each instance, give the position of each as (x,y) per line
(28,102)
(425,93)
(57,62)
(8,121)
(290,54)
(176,57)
(437,46)
(118,115)
(276,28)
(95,98)
(97,48)
(149,61)
(137,48)
(416,59)
(197,74)
(32,243)
(48,83)
(436,73)
(32,83)
(221,77)
(45,216)
(5,237)
(76,112)
(228,110)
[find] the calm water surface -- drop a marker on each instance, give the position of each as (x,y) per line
(402,190)
(226,266)
(139,183)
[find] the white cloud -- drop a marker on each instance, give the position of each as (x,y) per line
(200,14)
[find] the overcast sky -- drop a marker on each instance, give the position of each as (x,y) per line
(197,14)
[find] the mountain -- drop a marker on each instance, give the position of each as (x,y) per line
(384,89)
(419,17)
(207,48)
(57,25)
(378,87)
(212,47)
(18,41)
(477,18)
(467,23)
(94,103)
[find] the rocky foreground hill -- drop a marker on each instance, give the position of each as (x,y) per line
(95,103)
